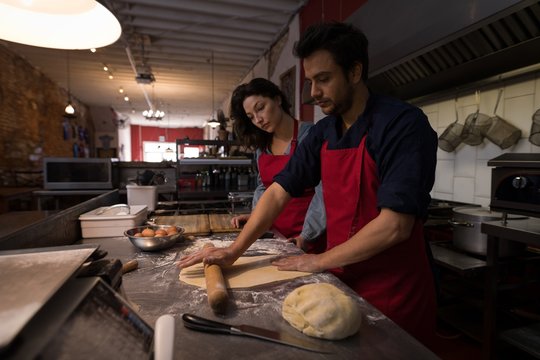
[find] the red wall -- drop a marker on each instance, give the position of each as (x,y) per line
(320,11)
(152,133)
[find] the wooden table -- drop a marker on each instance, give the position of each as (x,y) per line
(155,290)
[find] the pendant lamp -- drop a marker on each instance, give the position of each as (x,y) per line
(69,111)
(213,122)
(73,24)
(153,113)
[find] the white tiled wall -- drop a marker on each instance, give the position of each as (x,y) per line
(463,175)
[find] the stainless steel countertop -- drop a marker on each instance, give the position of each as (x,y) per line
(154,289)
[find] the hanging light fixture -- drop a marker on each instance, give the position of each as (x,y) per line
(213,122)
(152,113)
(75,24)
(69,111)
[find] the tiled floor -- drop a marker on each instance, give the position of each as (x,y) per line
(452,345)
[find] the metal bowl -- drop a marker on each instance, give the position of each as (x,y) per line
(152,243)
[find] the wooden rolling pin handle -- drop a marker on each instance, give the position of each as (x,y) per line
(216,287)
(130,266)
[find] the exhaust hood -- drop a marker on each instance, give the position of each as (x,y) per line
(437,46)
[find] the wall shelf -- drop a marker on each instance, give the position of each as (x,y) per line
(213,177)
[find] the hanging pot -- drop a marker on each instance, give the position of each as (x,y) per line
(534,138)
(501,132)
(451,137)
(466,223)
(475,128)
(476,125)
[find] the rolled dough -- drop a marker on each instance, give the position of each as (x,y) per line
(247,271)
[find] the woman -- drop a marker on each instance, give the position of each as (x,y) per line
(263,122)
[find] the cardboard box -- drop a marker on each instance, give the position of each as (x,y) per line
(112,221)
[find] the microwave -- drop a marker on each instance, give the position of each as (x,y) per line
(77,173)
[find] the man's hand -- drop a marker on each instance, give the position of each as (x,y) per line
(307,262)
(208,255)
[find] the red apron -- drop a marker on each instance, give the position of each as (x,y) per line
(397,281)
(291,220)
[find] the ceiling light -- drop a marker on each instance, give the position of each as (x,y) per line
(126,98)
(58,24)
(152,114)
(213,123)
(121,90)
(111,76)
(105,68)
(93,50)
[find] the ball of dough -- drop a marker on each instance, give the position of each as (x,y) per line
(322,310)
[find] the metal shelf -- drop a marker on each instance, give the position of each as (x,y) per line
(456,261)
(214,161)
(526,338)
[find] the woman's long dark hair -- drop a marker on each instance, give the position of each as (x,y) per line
(250,135)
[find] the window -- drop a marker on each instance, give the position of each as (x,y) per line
(191,152)
(158,151)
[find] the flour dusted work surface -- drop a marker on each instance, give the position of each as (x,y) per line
(247,271)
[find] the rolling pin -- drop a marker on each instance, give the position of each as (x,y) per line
(215,287)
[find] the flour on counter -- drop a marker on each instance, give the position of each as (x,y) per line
(259,247)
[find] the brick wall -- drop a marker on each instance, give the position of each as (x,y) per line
(31,117)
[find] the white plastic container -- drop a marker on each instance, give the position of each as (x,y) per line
(112,221)
(142,195)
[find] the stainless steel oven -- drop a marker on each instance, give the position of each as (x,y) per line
(77,173)
(515,184)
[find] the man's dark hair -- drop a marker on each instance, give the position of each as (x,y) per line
(250,135)
(347,44)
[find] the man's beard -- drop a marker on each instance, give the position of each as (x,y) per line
(339,108)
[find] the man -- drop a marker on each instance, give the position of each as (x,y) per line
(376,159)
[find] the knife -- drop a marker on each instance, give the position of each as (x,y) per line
(201,324)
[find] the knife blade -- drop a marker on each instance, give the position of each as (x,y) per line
(201,324)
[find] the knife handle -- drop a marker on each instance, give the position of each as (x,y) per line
(216,287)
(198,323)
(130,266)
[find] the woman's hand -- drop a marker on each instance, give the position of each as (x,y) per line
(307,262)
(298,241)
(208,255)
(239,221)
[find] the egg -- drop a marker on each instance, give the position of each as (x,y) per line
(148,232)
(160,232)
(172,230)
